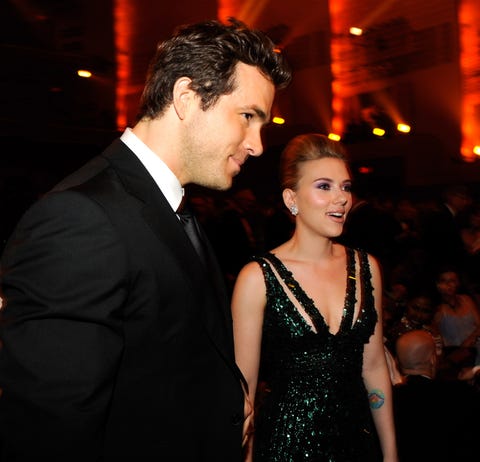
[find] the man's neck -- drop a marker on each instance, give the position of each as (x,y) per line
(422,373)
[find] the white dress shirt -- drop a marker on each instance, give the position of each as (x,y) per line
(163,176)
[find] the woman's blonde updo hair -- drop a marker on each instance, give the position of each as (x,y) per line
(305,147)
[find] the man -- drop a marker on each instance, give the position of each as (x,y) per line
(116,340)
(434,419)
(441,235)
(371,226)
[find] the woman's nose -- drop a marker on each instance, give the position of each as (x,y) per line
(341,197)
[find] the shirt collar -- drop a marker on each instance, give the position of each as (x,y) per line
(162,175)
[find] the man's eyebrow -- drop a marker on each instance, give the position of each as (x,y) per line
(261,114)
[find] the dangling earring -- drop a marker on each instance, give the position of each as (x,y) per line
(294,210)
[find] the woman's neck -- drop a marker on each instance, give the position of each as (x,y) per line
(451,301)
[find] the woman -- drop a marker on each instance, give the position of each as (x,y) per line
(419,314)
(458,320)
(307,326)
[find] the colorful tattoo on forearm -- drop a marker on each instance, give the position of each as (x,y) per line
(376,399)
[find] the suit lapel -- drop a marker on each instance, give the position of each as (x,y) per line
(208,286)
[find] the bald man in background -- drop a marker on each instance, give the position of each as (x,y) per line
(434,419)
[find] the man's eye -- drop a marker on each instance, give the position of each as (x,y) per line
(247,115)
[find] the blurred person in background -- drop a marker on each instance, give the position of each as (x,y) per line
(457,319)
(435,420)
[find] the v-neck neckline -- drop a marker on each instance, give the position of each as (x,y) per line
(308,304)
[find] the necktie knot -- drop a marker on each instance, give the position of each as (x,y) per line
(192,230)
(185,214)
(182,207)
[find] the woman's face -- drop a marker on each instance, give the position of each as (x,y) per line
(420,310)
(323,196)
(447,283)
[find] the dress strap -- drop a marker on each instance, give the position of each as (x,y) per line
(281,269)
(350,299)
(284,273)
(292,284)
(366,275)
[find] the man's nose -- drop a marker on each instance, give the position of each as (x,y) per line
(254,143)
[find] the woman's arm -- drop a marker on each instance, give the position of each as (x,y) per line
(248,304)
(376,377)
(471,340)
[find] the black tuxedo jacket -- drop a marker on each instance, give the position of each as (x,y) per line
(116,343)
(436,420)
(442,239)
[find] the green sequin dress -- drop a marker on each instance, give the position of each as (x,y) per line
(312,404)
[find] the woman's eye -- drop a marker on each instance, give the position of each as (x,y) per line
(324,186)
(347,188)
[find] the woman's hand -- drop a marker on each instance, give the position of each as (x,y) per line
(248,419)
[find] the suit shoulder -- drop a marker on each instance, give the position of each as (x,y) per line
(89,172)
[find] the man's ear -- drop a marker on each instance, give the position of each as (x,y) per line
(183,96)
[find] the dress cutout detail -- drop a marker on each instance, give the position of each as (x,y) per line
(311,403)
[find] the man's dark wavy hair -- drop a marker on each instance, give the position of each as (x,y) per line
(207,53)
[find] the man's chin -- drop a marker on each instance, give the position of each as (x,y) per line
(223,185)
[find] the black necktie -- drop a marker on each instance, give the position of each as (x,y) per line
(190,225)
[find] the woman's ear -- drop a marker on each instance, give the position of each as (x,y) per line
(289,197)
(183,96)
